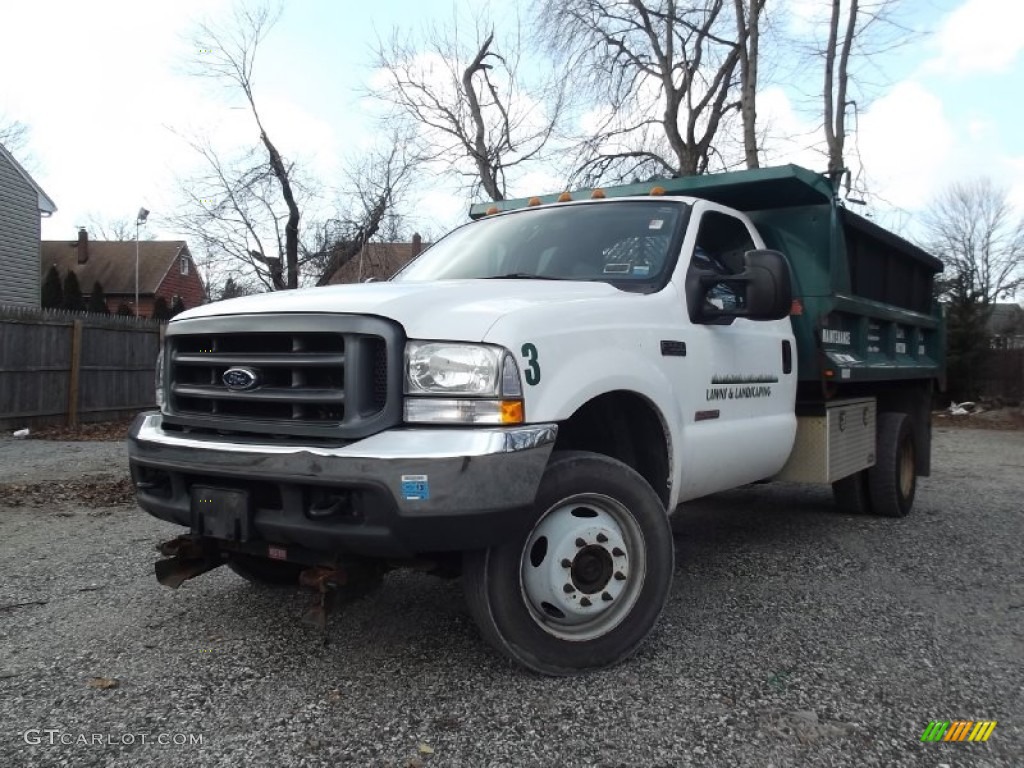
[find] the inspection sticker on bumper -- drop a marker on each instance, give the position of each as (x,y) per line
(415,487)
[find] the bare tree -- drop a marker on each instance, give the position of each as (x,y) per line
(667,73)
(234,211)
(376,183)
(117,229)
(477,112)
(973,229)
(228,55)
(13,135)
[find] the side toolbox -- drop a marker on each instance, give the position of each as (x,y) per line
(832,441)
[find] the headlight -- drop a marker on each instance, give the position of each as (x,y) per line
(434,368)
(160,380)
(479,384)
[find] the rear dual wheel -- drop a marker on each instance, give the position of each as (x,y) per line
(886,489)
(584,587)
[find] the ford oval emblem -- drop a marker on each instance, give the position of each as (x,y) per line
(240,379)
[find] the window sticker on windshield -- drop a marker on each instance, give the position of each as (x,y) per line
(656,224)
(616,269)
(641,269)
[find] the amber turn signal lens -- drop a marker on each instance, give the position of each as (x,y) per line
(512,412)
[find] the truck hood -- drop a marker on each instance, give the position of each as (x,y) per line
(446,309)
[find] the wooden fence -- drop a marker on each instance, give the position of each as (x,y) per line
(1001,375)
(66,367)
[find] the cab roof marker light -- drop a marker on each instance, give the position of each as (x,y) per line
(491,211)
(533,201)
(597,194)
(657,191)
(565,197)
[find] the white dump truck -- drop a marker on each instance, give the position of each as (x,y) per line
(526,403)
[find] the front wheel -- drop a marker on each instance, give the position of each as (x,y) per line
(584,587)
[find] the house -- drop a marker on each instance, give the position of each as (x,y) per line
(166,270)
(22,202)
(1006,327)
(378,260)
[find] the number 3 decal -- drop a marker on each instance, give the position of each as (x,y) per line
(532,364)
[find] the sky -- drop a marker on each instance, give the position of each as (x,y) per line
(105,90)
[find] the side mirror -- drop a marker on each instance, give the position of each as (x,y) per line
(769,292)
(764,283)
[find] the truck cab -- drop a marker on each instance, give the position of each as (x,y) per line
(529,400)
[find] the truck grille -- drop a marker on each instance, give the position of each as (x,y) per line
(288,375)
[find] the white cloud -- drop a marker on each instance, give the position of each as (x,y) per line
(980,36)
(906,143)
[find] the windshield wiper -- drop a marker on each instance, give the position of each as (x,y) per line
(521,276)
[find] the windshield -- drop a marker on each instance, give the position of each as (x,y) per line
(626,243)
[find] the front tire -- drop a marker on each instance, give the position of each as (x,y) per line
(585,586)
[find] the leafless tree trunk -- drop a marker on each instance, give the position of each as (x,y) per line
(377,183)
(667,72)
(477,113)
(748,33)
(229,55)
(837,82)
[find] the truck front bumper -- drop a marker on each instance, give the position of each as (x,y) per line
(400,493)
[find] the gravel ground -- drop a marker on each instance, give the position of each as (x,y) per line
(36,461)
(795,635)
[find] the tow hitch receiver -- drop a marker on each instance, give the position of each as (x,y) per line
(187,557)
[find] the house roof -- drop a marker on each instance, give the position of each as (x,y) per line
(46,206)
(113,263)
(379,260)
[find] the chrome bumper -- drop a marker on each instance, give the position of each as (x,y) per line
(411,490)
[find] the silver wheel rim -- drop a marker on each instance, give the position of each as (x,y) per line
(583,567)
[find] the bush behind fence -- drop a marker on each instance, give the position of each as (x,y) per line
(59,367)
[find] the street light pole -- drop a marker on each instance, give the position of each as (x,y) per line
(140,218)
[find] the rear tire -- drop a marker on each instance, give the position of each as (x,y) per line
(266,572)
(892,482)
(585,586)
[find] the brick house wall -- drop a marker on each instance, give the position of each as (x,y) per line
(189,287)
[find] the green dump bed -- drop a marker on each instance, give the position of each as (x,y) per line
(866,310)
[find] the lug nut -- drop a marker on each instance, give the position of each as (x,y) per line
(566,562)
(618,552)
(585,602)
(568,588)
(606,597)
(580,543)
(620,576)
(601,538)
